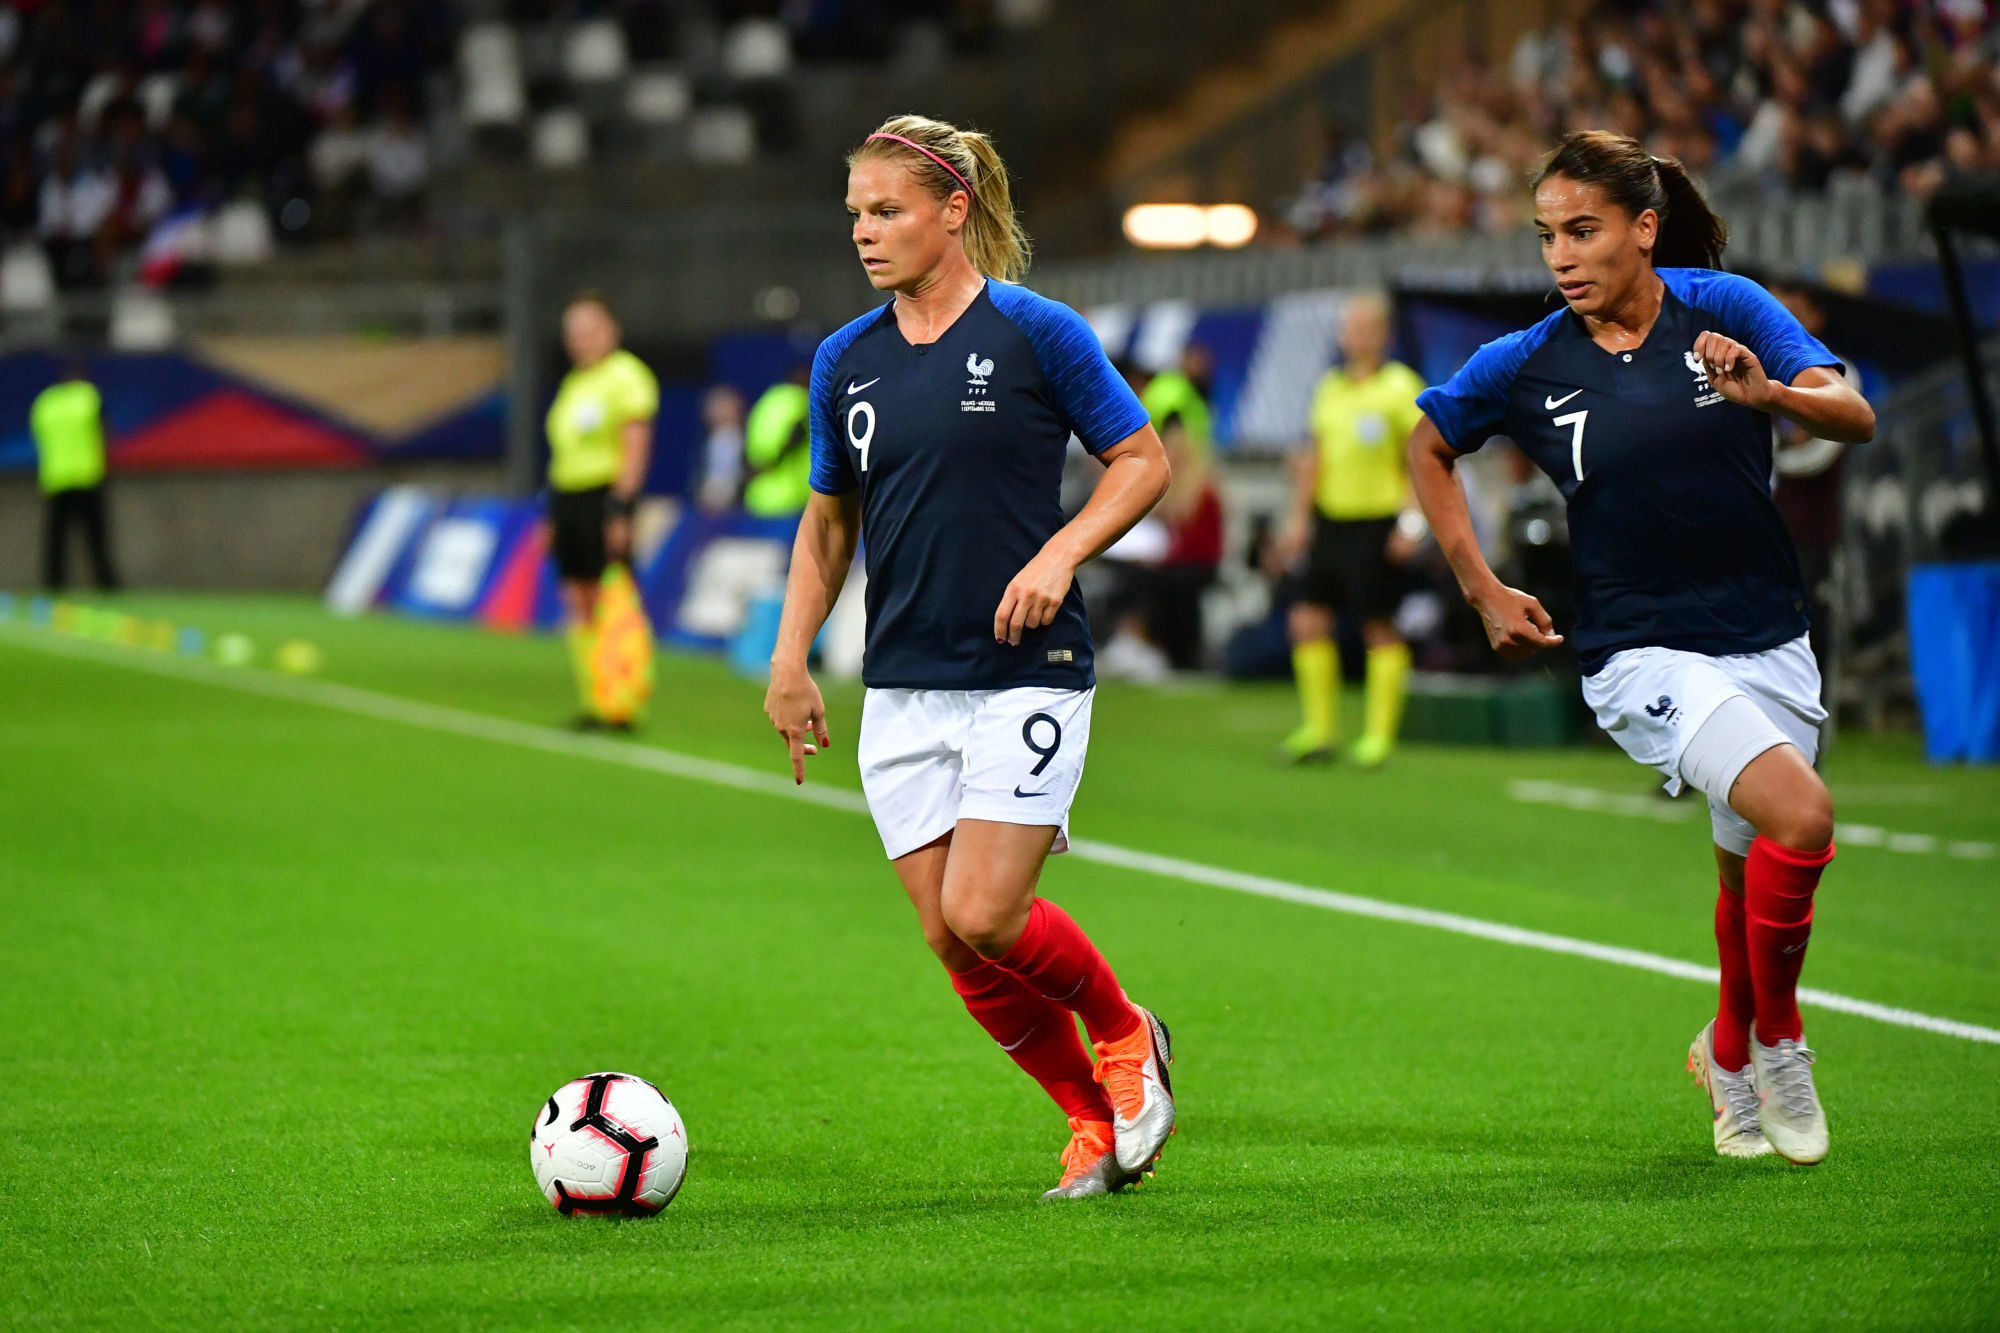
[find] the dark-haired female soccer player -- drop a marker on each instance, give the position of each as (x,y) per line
(1648,401)
(939,424)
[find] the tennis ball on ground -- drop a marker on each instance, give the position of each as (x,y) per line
(299,657)
(234,649)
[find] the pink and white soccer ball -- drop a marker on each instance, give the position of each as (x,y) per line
(609,1144)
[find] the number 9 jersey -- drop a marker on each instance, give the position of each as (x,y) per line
(957,447)
(1674,537)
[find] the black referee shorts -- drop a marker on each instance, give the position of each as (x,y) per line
(1349,569)
(577,518)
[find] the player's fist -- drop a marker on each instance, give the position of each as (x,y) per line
(797,711)
(1516,624)
(1734,370)
(1033,597)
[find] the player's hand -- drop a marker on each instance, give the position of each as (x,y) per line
(1033,598)
(618,539)
(795,708)
(1734,371)
(1516,624)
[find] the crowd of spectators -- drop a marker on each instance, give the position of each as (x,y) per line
(122,121)
(1770,98)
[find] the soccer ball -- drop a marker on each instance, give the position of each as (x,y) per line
(610,1144)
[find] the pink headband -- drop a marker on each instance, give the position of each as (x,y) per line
(910,143)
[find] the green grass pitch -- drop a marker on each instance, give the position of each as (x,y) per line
(282,987)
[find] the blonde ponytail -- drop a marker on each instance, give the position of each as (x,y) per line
(948,160)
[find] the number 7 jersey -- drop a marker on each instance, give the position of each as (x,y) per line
(1674,538)
(957,448)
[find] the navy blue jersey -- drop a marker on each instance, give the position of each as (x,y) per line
(957,447)
(1673,534)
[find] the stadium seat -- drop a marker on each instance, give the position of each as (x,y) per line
(595,52)
(27,282)
(561,139)
(757,49)
(658,97)
(141,321)
(489,61)
(242,233)
(722,135)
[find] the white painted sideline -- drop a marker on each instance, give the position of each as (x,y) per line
(483,726)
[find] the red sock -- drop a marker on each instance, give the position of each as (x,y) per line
(1778,896)
(1039,1035)
(1055,957)
(1739,998)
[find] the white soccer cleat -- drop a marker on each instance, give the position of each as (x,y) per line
(1732,1098)
(1135,1078)
(1791,1116)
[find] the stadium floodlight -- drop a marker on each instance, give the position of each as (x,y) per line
(1166,226)
(1230,225)
(1184,226)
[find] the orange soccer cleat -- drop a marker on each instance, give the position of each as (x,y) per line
(1090,1162)
(1134,1074)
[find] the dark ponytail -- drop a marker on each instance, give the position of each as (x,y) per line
(1690,236)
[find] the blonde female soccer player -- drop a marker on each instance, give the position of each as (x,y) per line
(939,425)
(1648,400)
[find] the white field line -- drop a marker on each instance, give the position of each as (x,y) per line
(482,726)
(1672,812)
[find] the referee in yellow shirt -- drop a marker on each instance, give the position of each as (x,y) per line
(600,438)
(1351,489)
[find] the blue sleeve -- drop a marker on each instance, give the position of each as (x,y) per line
(1089,392)
(1755,318)
(1471,406)
(832,473)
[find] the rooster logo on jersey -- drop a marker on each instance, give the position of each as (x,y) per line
(980,369)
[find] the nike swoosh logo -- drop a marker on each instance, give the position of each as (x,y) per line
(1548,404)
(1043,792)
(857,388)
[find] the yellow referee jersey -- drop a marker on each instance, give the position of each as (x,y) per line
(1361,427)
(588,416)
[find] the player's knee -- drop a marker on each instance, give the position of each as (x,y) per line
(988,928)
(1805,822)
(1307,622)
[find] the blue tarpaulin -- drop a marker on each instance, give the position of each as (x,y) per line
(1955,658)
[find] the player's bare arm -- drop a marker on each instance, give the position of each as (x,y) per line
(1516,624)
(1817,399)
(1136,475)
(828,532)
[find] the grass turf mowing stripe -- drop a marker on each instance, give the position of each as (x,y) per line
(482,726)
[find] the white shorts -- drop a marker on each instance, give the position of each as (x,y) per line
(1655,701)
(930,758)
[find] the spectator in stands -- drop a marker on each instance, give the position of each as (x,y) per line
(776,442)
(1353,486)
(1764,96)
(67,422)
(398,161)
(721,487)
(338,159)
